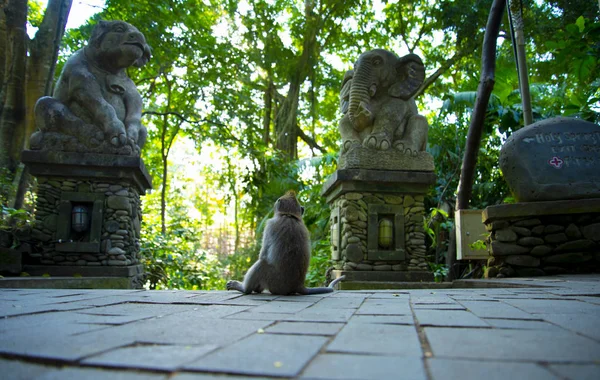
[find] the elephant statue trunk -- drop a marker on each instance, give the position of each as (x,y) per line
(359,112)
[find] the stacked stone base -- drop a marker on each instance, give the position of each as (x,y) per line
(120,234)
(108,188)
(360,200)
(543,238)
(353,209)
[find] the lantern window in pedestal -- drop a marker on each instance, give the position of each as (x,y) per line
(80,218)
(385,232)
(335,234)
(79,226)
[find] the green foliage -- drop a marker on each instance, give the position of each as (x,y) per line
(440,271)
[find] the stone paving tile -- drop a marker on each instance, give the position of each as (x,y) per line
(212,376)
(11,309)
(520,345)
(82,318)
(443,369)
(78,373)
(249,316)
(35,324)
(589,299)
(101,301)
(280,307)
(441,306)
(321,315)
(453,318)
(432,300)
(242,301)
(385,319)
(586,324)
(20,370)
(461,297)
(352,294)
(160,310)
(218,296)
(385,307)
(153,357)
(263,354)
(577,371)
(380,339)
(182,329)
(56,344)
(305,328)
(496,310)
(299,298)
(163,296)
(520,324)
(554,306)
(339,303)
(392,295)
(342,366)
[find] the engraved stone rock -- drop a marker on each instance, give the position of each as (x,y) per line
(553,159)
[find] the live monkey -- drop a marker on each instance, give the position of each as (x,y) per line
(284,256)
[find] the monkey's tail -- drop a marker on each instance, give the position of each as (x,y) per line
(334,282)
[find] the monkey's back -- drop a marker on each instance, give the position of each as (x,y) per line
(288,253)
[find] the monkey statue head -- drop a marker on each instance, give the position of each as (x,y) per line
(116,45)
(288,205)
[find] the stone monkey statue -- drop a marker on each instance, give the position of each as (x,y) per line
(96,107)
(285,254)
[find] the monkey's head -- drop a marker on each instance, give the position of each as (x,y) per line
(288,205)
(117,45)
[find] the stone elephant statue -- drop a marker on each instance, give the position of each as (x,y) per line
(376,100)
(95,106)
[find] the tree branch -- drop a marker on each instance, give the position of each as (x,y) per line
(195,121)
(309,140)
(486,85)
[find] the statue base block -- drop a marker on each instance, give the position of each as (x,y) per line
(377,224)
(359,157)
(87,214)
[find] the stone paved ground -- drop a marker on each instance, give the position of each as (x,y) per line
(550,332)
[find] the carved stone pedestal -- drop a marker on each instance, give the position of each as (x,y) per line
(87,214)
(377,223)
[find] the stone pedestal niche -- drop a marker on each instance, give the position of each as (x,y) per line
(377,224)
(552,168)
(87,214)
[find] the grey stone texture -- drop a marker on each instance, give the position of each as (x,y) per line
(96,107)
(375,367)
(505,329)
(561,238)
(381,127)
(360,200)
(110,187)
(553,159)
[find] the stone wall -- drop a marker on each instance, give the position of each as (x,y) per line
(120,222)
(544,245)
(353,209)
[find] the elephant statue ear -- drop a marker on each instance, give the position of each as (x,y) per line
(411,74)
(345,91)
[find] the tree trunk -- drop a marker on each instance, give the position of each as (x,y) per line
(43,53)
(286,120)
(268,98)
(12,118)
(484,90)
